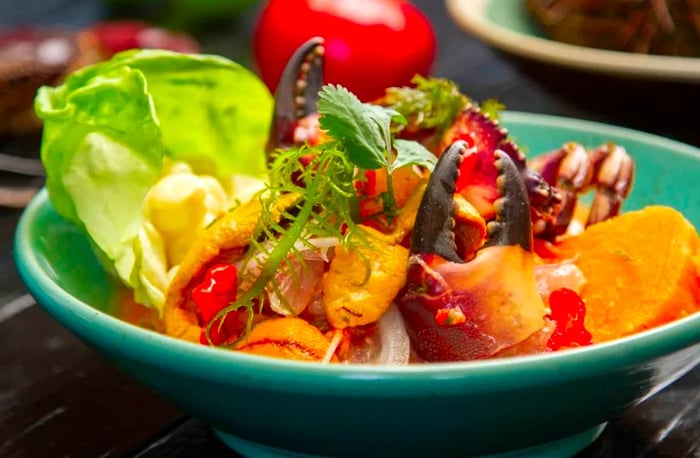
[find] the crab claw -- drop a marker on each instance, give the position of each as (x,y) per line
(297,94)
(462,310)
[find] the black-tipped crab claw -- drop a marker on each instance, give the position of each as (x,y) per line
(296,96)
(466,302)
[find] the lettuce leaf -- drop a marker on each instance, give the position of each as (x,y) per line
(108,128)
(213,113)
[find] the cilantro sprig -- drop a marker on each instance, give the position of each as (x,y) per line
(364,132)
(323,194)
(323,176)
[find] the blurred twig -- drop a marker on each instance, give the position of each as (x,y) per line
(16,197)
(21,165)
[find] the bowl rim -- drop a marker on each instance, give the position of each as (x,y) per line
(174,355)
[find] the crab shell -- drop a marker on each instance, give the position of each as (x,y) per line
(456,310)
(294,115)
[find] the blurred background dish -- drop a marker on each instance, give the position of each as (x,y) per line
(42,41)
(32,56)
(656,27)
(179,14)
(506,25)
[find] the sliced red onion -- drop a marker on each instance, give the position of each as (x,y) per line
(315,248)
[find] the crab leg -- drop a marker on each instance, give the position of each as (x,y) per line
(297,93)
(614,174)
(457,310)
(572,169)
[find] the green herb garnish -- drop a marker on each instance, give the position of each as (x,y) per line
(432,103)
(323,177)
(492,108)
(363,132)
(324,208)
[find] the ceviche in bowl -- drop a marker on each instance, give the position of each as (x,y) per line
(313,274)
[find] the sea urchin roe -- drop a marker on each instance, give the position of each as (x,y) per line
(352,296)
(288,338)
(182,324)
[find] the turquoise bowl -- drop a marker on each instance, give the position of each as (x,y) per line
(544,405)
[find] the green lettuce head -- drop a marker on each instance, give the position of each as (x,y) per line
(110,128)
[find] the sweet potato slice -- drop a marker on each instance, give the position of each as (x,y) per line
(642,271)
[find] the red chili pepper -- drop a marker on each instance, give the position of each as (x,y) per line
(234,324)
(369,202)
(216,291)
(368,187)
(569,313)
(121,35)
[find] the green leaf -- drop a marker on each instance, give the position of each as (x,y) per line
(108,127)
(102,152)
(409,152)
(214,113)
(360,128)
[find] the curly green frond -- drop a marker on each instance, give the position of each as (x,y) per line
(323,178)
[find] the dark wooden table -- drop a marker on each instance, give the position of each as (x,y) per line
(60,398)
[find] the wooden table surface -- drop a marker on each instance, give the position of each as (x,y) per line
(60,398)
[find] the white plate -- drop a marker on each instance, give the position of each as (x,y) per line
(505,25)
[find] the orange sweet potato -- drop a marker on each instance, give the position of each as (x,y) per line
(642,269)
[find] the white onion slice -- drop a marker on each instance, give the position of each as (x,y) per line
(551,277)
(296,290)
(315,248)
(395,344)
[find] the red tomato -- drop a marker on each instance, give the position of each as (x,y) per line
(370,44)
